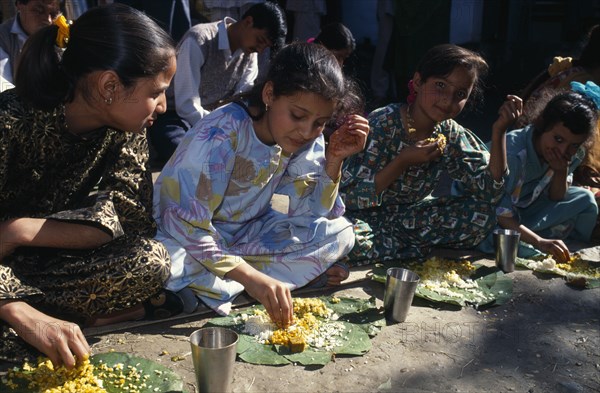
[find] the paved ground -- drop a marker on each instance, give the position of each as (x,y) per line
(546,339)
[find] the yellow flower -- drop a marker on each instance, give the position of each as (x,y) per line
(559,64)
(62,36)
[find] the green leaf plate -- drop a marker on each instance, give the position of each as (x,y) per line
(493,283)
(159,378)
(576,280)
(361,319)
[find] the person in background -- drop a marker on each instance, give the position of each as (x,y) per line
(8,9)
(76,222)
(338,39)
(172,15)
(31,16)
(219,9)
(417,27)
(381,78)
(74,8)
(538,199)
(213,198)
(307,17)
(216,61)
(389,186)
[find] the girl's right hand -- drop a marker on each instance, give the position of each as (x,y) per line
(557,161)
(274,295)
(420,153)
(556,248)
(510,111)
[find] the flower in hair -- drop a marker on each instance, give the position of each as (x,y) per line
(412,94)
(590,90)
(62,36)
(559,64)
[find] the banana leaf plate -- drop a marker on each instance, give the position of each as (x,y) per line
(361,319)
(494,287)
(154,377)
(576,279)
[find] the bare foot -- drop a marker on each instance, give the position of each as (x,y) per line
(336,274)
(130,314)
(333,276)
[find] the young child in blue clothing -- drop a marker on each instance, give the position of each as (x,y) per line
(389,186)
(212,199)
(538,200)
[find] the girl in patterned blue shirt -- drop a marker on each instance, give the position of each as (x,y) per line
(411,148)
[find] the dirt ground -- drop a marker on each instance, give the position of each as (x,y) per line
(546,339)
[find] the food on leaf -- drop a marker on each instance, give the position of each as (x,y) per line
(113,372)
(43,377)
(312,325)
(455,282)
(322,329)
(577,271)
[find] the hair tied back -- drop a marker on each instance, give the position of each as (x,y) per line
(62,36)
(590,90)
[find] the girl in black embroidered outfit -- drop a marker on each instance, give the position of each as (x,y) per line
(76,224)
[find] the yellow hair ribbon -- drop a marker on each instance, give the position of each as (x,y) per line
(62,36)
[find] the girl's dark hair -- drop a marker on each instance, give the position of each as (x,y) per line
(114,37)
(576,111)
(589,59)
(336,36)
(441,60)
(303,67)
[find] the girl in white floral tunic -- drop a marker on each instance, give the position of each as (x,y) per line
(212,199)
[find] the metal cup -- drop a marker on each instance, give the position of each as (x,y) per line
(213,354)
(400,286)
(507,245)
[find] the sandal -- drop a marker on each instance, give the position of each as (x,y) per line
(321,280)
(189,299)
(163,305)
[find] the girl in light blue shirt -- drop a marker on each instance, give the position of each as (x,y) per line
(539,200)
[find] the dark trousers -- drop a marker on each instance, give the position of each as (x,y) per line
(165,134)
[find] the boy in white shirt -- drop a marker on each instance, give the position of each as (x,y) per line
(215,61)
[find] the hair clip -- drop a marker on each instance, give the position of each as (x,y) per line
(62,36)
(559,64)
(590,90)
